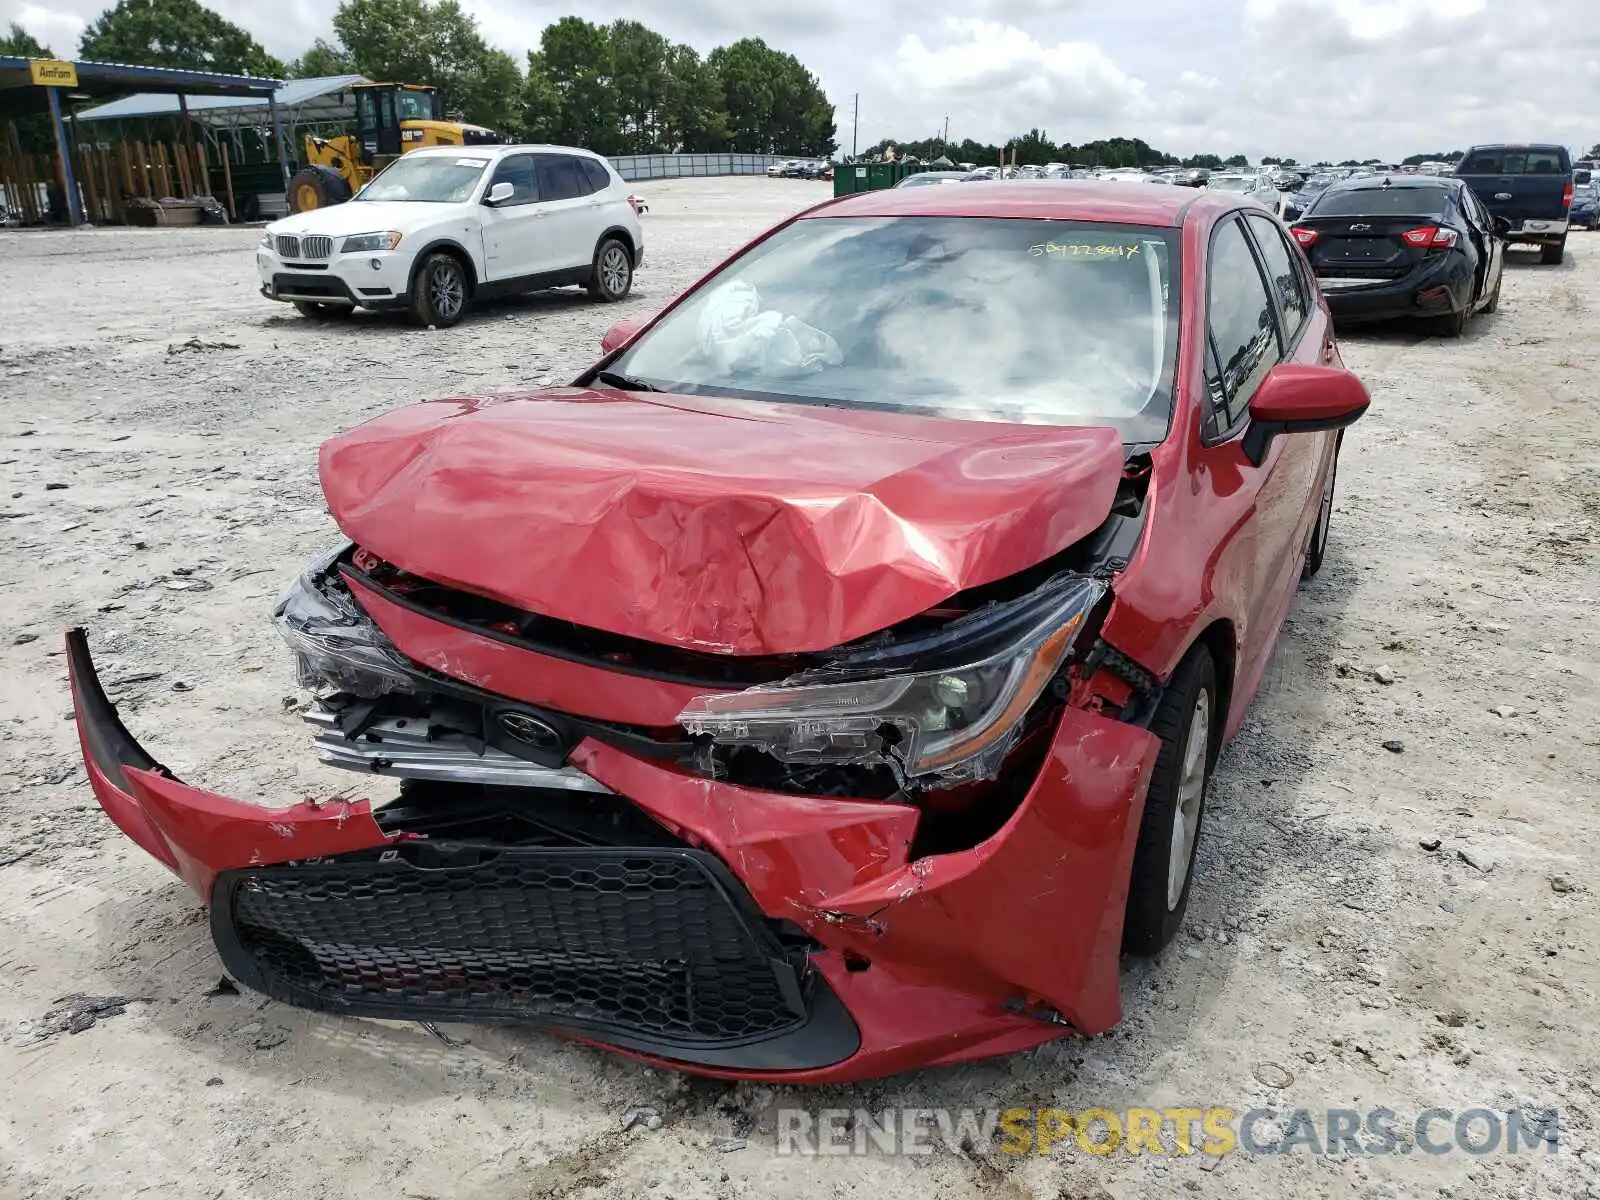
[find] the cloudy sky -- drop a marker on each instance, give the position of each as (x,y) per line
(1306,78)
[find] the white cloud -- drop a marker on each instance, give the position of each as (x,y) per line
(1341,78)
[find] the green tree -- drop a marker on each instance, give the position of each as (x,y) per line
(541,106)
(175,33)
(1236,160)
(774,105)
(577,60)
(434,42)
(693,117)
(322,59)
(19,43)
(641,69)
(1206,162)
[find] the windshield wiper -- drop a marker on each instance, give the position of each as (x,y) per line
(627,383)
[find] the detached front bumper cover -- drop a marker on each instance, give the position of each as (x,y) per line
(754,934)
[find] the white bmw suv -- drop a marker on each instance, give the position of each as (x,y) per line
(441,227)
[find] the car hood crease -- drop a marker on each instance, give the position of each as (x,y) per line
(713,524)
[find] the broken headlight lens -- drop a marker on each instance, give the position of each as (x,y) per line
(336,645)
(955,724)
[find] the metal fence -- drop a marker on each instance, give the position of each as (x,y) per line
(634,167)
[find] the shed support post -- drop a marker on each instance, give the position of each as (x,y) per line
(283,144)
(69,182)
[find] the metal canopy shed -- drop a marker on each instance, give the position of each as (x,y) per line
(29,86)
(298,102)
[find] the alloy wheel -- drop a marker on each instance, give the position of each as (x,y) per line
(1191,793)
(446,291)
(614,269)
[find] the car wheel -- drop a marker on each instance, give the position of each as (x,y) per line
(1452,325)
(312,310)
(1493,304)
(1174,807)
(613,272)
(1550,255)
(1319,535)
(439,291)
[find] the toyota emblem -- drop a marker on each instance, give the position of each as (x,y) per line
(530,731)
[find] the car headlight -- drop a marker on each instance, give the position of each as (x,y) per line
(335,644)
(266,240)
(362,243)
(949,724)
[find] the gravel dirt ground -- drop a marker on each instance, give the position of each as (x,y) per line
(1409,927)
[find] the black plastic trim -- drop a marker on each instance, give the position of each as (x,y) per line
(823,1033)
(662,676)
(107,740)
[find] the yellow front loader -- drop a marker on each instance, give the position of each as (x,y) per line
(391,119)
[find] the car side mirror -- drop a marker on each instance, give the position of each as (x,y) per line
(1298,398)
(1502,225)
(499,193)
(622,333)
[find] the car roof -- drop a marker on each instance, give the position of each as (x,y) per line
(1365,183)
(500,151)
(1073,200)
(1517,146)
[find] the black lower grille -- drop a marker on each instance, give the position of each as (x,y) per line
(658,943)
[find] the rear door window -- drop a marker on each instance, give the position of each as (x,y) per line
(1241,320)
(561,177)
(598,179)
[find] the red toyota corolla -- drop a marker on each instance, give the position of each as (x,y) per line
(827,682)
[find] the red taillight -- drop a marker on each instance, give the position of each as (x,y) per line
(636,204)
(1566,195)
(1306,237)
(1431,236)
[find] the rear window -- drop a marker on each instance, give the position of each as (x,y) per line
(1380,202)
(1514,162)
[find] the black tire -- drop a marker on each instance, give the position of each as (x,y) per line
(314,311)
(440,290)
(1550,253)
(1318,550)
(1494,297)
(1154,913)
(316,187)
(1452,325)
(612,278)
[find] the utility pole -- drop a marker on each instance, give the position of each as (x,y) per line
(855,126)
(944,142)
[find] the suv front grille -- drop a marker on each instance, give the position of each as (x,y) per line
(316,246)
(288,247)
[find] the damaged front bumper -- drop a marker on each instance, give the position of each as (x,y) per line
(620,899)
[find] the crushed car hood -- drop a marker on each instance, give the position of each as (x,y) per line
(714,524)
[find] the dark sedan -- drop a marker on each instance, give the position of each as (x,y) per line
(1404,246)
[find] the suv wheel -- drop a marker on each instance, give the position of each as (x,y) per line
(613,271)
(439,291)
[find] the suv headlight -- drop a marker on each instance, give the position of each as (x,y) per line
(266,241)
(953,724)
(362,243)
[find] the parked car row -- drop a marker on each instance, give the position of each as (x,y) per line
(801,168)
